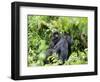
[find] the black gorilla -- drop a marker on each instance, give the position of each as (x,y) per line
(60,45)
(63,47)
(54,40)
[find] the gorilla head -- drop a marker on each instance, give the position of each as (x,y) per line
(54,39)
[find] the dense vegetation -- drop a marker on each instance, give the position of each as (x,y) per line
(40,29)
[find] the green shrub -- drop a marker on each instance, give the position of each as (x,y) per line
(40,29)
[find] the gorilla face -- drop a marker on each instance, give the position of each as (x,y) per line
(54,39)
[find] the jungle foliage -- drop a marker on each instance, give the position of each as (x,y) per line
(40,29)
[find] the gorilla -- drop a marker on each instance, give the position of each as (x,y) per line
(63,47)
(60,45)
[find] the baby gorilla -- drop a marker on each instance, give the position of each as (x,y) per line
(63,47)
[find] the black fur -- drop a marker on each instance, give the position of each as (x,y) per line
(61,46)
